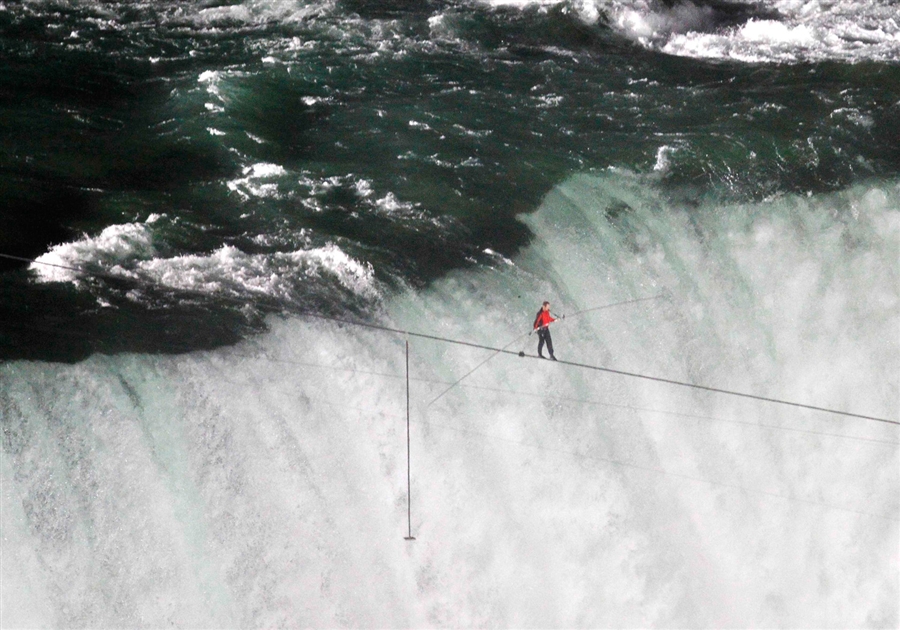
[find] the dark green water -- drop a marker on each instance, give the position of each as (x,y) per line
(409,137)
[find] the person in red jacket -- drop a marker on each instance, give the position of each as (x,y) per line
(542,325)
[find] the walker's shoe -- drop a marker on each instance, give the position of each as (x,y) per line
(553,357)
(541,356)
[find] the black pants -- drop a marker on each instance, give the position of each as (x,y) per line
(544,337)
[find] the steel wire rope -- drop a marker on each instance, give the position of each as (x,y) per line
(495,389)
(732,486)
(613,462)
(567,316)
(368,411)
(491,389)
(679,414)
(666,472)
(528,334)
(582,401)
(600,368)
(419,335)
(470,372)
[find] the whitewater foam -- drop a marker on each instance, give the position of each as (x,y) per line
(114,244)
(775,31)
(262,11)
(229,271)
(812,31)
(129,251)
(259,180)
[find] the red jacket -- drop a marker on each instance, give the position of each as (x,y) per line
(543,319)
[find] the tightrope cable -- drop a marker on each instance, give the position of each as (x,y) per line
(605,369)
(373,326)
(569,399)
(613,462)
(600,308)
(458,381)
(521,352)
(668,473)
(718,390)
(582,401)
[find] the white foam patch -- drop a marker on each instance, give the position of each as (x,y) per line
(114,244)
(128,251)
(230,271)
(386,205)
(807,30)
(259,180)
(643,23)
(663,159)
(392,206)
(211,79)
(262,11)
(522,3)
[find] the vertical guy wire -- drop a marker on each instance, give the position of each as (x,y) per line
(408,484)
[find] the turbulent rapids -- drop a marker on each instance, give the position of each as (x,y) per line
(184,445)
